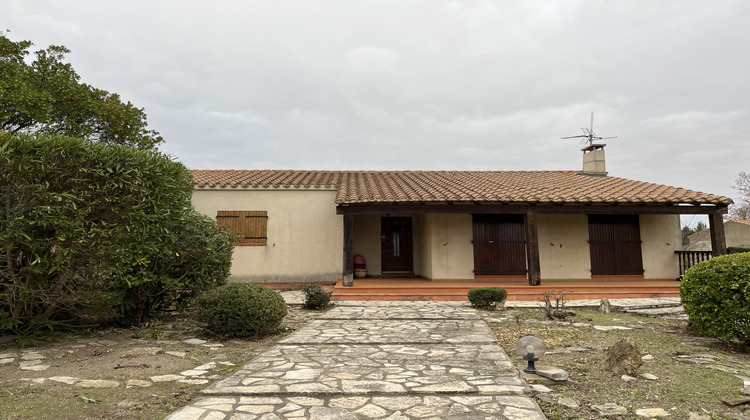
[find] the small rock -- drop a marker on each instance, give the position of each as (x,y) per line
(568,402)
(555,374)
(181,354)
(610,409)
(745,390)
(650,376)
(193,381)
(651,412)
(207,366)
(623,357)
(610,327)
(137,382)
(697,416)
(166,378)
(604,306)
(140,351)
(34,367)
(195,341)
(647,358)
(736,401)
(627,378)
(194,372)
(64,379)
(540,388)
(6,360)
(96,383)
(545,398)
(32,356)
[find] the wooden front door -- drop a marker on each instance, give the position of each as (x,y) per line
(615,245)
(499,245)
(396,244)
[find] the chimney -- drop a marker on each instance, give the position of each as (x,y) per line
(593,160)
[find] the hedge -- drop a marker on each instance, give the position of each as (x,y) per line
(241,310)
(716,296)
(487,297)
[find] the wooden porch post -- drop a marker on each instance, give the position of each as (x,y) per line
(718,240)
(347,277)
(532,249)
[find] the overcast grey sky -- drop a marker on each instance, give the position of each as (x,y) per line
(431,84)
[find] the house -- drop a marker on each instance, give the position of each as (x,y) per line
(528,226)
(737,233)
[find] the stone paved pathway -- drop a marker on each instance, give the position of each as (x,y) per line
(376,360)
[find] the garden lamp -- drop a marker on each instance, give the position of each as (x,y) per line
(530,348)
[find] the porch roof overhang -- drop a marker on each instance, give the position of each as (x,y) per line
(522,208)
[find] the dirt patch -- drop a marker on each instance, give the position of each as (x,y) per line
(694,374)
(142,373)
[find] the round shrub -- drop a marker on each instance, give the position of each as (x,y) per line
(316,297)
(716,296)
(241,310)
(487,297)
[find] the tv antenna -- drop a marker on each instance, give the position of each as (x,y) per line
(588,134)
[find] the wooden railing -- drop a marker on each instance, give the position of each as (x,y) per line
(688,259)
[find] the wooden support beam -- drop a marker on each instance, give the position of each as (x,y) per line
(532,248)
(718,239)
(347,278)
(521,208)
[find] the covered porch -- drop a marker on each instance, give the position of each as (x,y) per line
(543,261)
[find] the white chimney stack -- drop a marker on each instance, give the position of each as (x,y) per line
(593,160)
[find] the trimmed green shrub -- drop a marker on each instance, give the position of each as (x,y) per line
(93,233)
(487,297)
(316,297)
(738,249)
(716,296)
(241,310)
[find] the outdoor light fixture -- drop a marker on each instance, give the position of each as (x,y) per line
(530,348)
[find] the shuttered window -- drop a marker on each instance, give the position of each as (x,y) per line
(499,245)
(615,245)
(251,225)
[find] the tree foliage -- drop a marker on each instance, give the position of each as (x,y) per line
(92,233)
(45,95)
(687,231)
(740,210)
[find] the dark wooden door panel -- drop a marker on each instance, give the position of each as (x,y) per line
(396,244)
(615,245)
(499,244)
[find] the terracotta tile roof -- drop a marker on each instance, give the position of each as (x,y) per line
(266,178)
(456,186)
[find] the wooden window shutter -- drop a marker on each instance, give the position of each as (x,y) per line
(251,225)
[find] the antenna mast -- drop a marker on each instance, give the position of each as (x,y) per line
(588,134)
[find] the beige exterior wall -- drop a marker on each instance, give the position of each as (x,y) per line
(448,242)
(660,237)
(305,235)
(563,246)
(367,241)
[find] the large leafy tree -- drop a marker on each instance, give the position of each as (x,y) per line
(45,95)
